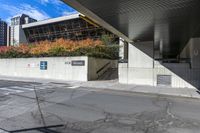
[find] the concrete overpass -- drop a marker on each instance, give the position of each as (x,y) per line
(163,37)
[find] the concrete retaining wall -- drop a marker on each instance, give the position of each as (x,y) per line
(81,68)
(148,76)
(141,69)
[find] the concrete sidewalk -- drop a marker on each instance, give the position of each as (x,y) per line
(114,85)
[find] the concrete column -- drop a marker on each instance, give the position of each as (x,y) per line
(161,40)
(123,50)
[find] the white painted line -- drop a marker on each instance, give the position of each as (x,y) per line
(7,93)
(11,90)
(73,87)
(21,88)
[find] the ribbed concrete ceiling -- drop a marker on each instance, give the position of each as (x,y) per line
(172,21)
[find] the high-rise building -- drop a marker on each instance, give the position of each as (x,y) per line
(3,33)
(17,35)
(8,35)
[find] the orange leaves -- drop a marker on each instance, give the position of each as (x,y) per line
(46,46)
(4,49)
(68,45)
(41,47)
(23,48)
(73,45)
(61,47)
(89,43)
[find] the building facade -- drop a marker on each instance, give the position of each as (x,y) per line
(3,33)
(17,35)
(73,27)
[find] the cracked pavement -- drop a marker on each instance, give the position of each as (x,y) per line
(86,110)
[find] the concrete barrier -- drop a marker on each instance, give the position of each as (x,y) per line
(142,69)
(149,76)
(80,68)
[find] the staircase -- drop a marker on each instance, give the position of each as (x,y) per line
(109,74)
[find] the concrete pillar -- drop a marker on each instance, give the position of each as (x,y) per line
(161,40)
(123,50)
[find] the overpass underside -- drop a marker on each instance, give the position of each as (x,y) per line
(162,35)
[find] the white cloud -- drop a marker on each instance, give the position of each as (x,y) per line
(44,1)
(8,20)
(25,9)
(66,13)
(34,12)
(59,6)
(56,2)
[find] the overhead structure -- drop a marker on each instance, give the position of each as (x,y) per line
(169,23)
(167,31)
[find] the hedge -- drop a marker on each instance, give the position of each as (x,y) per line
(60,48)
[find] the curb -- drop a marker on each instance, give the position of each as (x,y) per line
(140,92)
(96,88)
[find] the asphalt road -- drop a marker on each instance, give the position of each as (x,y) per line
(89,110)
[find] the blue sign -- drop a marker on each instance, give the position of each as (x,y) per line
(43,65)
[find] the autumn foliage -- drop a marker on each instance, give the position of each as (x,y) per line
(61,47)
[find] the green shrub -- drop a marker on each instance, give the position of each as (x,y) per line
(108,51)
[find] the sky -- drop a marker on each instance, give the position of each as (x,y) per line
(38,9)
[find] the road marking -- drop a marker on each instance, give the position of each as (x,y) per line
(11,90)
(73,87)
(21,88)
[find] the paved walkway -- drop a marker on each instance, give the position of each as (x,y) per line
(114,85)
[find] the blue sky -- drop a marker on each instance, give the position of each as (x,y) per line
(38,9)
